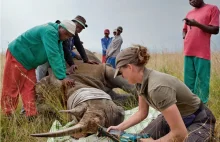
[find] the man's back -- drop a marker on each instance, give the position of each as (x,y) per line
(29,48)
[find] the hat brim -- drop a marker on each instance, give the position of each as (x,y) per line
(67,29)
(117,73)
(84,25)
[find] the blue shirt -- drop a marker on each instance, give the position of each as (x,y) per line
(105,43)
(70,46)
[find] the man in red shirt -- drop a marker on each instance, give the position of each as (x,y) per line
(200,23)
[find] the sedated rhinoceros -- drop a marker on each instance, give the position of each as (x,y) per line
(88,100)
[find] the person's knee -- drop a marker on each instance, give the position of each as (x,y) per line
(157,128)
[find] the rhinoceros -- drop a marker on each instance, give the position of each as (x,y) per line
(88,101)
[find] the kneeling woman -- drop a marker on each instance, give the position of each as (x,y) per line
(183,118)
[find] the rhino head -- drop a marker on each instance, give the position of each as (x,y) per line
(103,112)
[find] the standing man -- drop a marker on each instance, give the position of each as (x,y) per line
(34,47)
(80,23)
(114,47)
(200,24)
(115,32)
(106,40)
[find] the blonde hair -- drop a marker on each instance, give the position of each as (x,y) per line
(143,55)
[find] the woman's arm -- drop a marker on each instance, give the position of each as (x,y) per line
(140,115)
(178,131)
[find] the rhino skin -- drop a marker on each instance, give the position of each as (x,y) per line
(110,82)
(90,113)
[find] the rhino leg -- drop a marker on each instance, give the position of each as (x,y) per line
(114,114)
(118,82)
(119,99)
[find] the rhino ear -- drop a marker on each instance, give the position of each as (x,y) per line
(53,80)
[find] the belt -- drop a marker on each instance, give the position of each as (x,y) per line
(201,107)
(188,120)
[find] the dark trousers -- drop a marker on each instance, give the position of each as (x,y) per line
(201,129)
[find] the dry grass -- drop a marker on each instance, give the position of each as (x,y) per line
(19,129)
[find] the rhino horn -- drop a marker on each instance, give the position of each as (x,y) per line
(78,128)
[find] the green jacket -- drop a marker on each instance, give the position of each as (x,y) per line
(39,45)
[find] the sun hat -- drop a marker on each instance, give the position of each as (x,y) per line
(69,25)
(81,20)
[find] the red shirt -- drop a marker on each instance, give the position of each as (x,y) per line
(197,42)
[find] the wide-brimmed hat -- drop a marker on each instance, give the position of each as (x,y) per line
(81,20)
(69,25)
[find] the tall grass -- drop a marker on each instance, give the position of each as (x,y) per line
(19,129)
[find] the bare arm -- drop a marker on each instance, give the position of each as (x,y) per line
(184,30)
(140,115)
(178,131)
(184,34)
(213,26)
(208,29)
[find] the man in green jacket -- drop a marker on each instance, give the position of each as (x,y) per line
(34,47)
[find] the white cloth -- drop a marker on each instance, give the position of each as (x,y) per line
(85,94)
(93,138)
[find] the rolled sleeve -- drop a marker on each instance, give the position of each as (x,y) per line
(163,97)
(214,16)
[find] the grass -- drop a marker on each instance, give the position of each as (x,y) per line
(18,129)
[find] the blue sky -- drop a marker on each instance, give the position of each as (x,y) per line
(155,23)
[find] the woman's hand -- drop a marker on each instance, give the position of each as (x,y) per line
(178,131)
(114,128)
(147,140)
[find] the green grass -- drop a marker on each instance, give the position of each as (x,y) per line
(19,129)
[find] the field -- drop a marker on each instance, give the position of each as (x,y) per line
(18,129)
